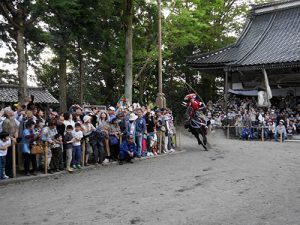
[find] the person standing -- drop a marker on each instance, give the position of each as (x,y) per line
(5,142)
(10,126)
(68,146)
(27,141)
(76,147)
(140,130)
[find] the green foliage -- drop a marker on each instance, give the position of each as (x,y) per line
(92,33)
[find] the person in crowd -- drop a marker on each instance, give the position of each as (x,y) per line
(68,119)
(280,130)
(48,135)
(56,150)
(238,125)
(103,119)
(5,143)
(131,125)
(105,130)
(30,102)
(127,150)
(169,132)
(246,133)
(270,129)
(151,136)
(40,117)
(77,119)
(68,137)
(114,138)
(140,130)
(291,129)
(27,140)
(10,125)
(111,113)
(87,129)
(96,140)
(76,146)
(124,120)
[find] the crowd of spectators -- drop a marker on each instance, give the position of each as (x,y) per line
(248,121)
(116,134)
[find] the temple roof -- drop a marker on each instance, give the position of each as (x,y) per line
(271,39)
(9,93)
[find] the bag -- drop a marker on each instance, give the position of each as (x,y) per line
(113,140)
(37,149)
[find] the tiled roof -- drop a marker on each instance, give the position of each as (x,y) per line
(9,93)
(269,39)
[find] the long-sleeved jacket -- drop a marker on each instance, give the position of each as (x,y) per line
(125,147)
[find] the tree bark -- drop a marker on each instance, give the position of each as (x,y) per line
(81,76)
(62,70)
(22,66)
(128,51)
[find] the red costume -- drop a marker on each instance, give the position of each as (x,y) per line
(195,104)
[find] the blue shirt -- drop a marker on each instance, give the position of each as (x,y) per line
(26,141)
(140,125)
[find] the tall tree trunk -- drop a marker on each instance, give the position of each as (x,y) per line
(141,89)
(81,76)
(22,66)
(62,70)
(128,49)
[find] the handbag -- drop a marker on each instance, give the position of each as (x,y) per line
(113,140)
(37,149)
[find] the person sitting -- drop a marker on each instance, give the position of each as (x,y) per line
(246,133)
(127,150)
(280,130)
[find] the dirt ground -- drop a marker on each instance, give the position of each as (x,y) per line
(235,182)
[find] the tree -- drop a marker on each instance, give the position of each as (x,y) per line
(128,50)
(20,16)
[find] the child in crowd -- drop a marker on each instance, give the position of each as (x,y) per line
(68,137)
(76,146)
(5,142)
(56,153)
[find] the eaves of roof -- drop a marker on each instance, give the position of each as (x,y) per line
(9,93)
(269,40)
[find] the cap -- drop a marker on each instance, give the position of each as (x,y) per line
(111,108)
(130,136)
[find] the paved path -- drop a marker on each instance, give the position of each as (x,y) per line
(236,182)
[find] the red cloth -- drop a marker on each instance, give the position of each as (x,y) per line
(196,105)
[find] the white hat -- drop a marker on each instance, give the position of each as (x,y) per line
(111,108)
(132,117)
(86,118)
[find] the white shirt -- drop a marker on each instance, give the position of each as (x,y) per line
(78,135)
(3,143)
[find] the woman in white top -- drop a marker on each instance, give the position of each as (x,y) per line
(103,120)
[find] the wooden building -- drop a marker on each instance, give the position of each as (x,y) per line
(269,45)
